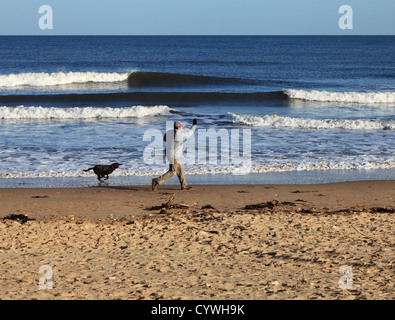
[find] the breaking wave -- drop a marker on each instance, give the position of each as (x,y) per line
(302,123)
(22,112)
(140,79)
(133,79)
(347,97)
(353,163)
(42,79)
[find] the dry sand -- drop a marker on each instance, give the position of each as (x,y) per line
(211,242)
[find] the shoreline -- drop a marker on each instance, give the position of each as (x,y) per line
(221,242)
(285,177)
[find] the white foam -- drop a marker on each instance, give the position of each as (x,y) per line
(22,112)
(348,163)
(302,123)
(347,97)
(351,163)
(59,78)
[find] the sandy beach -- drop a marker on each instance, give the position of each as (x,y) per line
(210,242)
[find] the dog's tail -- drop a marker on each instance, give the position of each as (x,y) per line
(88,169)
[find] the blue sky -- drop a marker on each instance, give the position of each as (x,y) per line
(202,17)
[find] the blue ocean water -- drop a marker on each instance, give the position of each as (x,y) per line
(310,104)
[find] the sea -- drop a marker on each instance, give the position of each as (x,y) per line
(296,109)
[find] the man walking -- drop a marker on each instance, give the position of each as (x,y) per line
(174,139)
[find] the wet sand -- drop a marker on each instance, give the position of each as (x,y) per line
(210,242)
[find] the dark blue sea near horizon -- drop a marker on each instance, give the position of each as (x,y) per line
(316,108)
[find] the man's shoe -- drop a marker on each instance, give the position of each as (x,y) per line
(154,184)
(186,188)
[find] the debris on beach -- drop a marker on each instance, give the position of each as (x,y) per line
(382,210)
(18,217)
(268,204)
(208,206)
(168,205)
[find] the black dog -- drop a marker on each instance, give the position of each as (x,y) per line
(103,171)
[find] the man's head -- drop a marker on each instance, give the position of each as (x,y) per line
(178,125)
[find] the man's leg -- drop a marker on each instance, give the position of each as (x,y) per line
(164,177)
(180,174)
